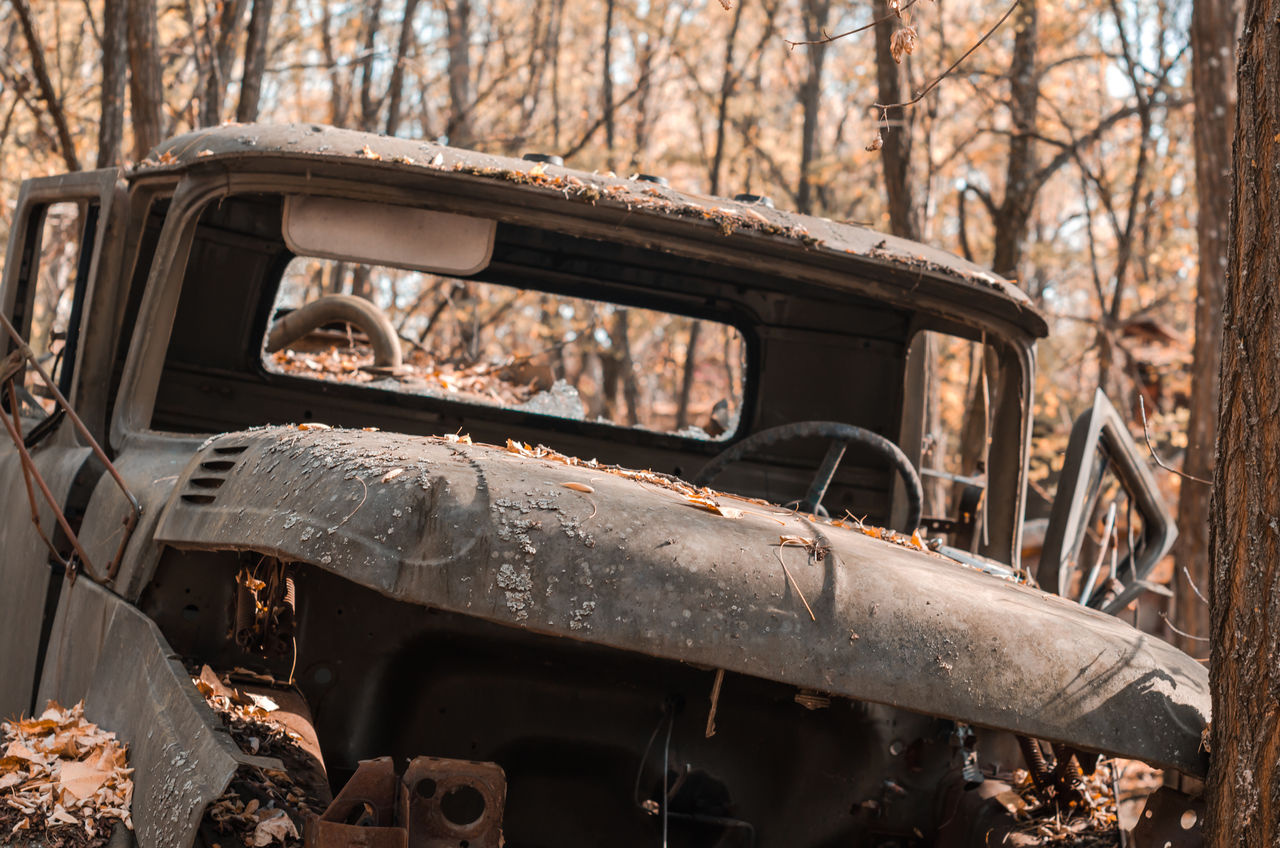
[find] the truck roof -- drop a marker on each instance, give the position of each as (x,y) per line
(942,273)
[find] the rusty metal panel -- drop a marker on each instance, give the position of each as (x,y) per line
(486,532)
(476,818)
(1170,819)
(182,758)
(437,803)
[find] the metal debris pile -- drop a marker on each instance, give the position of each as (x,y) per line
(63,780)
(262,806)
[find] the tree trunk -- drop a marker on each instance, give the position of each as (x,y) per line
(460,125)
(895,154)
(369,107)
(228,30)
(728,80)
(687,374)
(626,367)
(1213,30)
(395,88)
(255,61)
(1021,185)
(146,93)
(606,83)
(816,14)
(1244,676)
(338,100)
(115,34)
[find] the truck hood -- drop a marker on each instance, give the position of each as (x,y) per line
(631,562)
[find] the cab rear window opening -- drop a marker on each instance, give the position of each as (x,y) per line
(522,333)
(483,343)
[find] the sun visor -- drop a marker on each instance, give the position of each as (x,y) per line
(384,234)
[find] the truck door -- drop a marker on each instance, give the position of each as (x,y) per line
(53,266)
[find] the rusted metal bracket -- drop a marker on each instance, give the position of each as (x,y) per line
(437,804)
(1170,818)
(13,368)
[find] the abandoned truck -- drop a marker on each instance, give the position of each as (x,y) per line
(555,508)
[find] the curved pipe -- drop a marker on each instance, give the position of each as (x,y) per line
(357,311)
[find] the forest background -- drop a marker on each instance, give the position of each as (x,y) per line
(1062,152)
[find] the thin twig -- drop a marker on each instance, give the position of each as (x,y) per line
(364,486)
(1194,587)
(827,39)
(1181,632)
(931,86)
(715,702)
(1142,408)
(794,584)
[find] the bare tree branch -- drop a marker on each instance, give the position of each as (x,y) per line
(53,105)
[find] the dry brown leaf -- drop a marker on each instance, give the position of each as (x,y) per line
(876,143)
(274,828)
(711,505)
(392,474)
(903,41)
(22,752)
(578,487)
(82,779)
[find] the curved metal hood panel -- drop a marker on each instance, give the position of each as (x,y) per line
(490,533)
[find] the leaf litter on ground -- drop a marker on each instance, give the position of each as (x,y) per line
(64,781)
(262,806)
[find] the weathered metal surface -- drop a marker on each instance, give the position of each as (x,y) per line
(182,759)
(1170,819)
(24,572)
(107,571)
(486,532)
(240,145)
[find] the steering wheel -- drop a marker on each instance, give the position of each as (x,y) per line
(841,435)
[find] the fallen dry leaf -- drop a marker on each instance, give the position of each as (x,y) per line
(275,827)
(710,504)
(83,779)
(578,487)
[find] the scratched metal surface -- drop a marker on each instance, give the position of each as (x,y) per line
(483,531)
